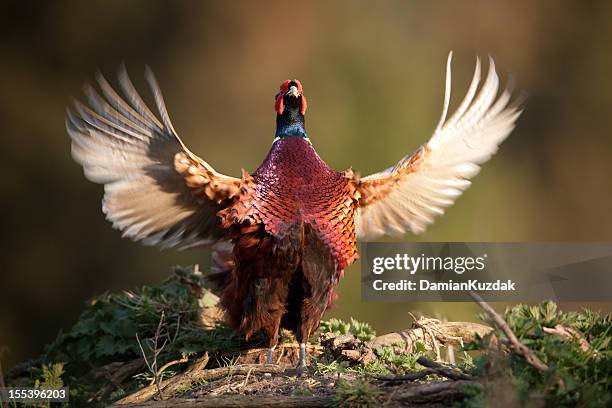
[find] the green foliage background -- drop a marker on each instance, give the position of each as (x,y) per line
(374,76)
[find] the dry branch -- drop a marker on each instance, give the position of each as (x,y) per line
(417,393)
(168,365)
(568,333)
(196,373)
(169,385)
(444,334)
(519,347)
(234,401)
(434,392)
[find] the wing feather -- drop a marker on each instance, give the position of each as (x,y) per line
(409,195)
(155,190)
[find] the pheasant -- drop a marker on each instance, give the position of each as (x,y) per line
(283,235)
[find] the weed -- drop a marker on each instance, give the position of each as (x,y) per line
(362,331)
(356,394)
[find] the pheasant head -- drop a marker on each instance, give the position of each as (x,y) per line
(290,105)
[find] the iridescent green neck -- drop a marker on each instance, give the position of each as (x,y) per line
(290,123)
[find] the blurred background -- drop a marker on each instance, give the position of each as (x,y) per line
(373,73)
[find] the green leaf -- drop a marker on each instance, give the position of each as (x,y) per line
(106,346)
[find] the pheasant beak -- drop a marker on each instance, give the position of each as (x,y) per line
(293,91)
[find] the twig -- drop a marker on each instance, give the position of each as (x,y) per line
(152,366)
(168,365)
(178,326)
(519,347)
(425,325)
(281,354)
(246,380)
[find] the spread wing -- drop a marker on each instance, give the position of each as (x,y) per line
(155,190)
(407,196)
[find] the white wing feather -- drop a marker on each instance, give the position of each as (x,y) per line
(409,195)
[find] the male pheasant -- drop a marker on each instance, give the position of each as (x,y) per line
(283,235)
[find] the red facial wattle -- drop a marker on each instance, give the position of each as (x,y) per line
(279,105)
(304,104)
